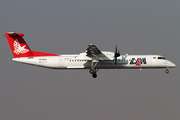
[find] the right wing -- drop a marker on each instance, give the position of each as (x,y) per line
(93,53)
(92,50)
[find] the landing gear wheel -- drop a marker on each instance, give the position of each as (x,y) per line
(167,71)
(91,71)
(94,75)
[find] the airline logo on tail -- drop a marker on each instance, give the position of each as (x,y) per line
(18,49)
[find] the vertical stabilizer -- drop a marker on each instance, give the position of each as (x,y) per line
(17,44)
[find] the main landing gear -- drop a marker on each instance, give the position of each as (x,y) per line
(93,71)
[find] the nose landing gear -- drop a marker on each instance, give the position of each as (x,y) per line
(167,71)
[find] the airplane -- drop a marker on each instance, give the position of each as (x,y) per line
(93,59)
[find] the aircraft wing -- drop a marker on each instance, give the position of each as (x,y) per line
(92,50)
(93,53)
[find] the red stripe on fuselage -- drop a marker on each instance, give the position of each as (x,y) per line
(39,54)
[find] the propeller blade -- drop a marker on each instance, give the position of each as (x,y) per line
(116,54)
(116,49)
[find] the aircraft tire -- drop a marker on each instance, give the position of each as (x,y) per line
(167,71)
(94,75)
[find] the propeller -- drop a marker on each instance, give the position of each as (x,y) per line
(116,54)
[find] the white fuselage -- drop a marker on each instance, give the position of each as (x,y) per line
(81,61)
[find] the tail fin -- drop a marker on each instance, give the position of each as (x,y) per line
(18,46)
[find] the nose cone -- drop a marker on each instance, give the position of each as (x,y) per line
(172,65)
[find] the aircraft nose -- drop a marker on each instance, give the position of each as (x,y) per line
(172,65)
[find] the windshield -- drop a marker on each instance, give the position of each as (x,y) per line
(162,58)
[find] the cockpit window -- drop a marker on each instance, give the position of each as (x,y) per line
(162,58)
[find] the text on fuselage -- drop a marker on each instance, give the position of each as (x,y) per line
(134,60)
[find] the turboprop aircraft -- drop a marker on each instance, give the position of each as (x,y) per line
(93,59)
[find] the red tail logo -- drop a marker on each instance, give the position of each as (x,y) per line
(18,49)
